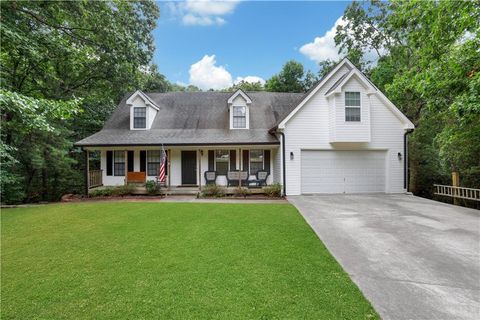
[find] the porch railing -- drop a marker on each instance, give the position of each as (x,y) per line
(457,192)
(95,178)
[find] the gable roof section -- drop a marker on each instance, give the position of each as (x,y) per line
(144,97)
(196,118)
(336,87)
(237,93)
(310,93)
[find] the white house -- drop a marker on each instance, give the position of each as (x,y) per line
(343,136)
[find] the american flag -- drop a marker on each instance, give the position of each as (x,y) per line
(163,163)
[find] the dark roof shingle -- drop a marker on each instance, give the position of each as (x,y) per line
(196,118)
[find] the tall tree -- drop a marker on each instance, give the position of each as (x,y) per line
(55,52)
(429,63)
(292,78)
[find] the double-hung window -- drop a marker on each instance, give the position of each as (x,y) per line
(352,106)
(256,161)
(153,162)
(139,117)
(221,161)
(239,117)
(119,163)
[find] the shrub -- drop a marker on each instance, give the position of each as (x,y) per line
(273,190)
(104,192)
(124,190)
(113,191)
(152,187)
(213,191)
(241,192)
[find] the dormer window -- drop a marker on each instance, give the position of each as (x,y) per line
(238,107)
(352,106)
(239,117)
(139,117)
(143,111)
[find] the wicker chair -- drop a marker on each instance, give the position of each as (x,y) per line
(234,176)
(210,177)
(262,178)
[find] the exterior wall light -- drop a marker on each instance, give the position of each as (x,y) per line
(291,155)
(399,155)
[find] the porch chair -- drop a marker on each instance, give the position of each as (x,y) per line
(234,176)
(210,177)
(261,179)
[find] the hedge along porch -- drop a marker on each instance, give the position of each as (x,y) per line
(186,166)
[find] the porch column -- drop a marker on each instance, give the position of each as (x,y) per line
(240,169)
(169,167)
(126,165)
(199,152)
(87,172)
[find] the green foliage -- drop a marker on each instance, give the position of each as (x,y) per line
(247,86)
(125,190)
(152,187)
(429,67)
(120,191)
(102,192)
(273,190)
(64,66)
(213,190)
(241,192)
(292,78)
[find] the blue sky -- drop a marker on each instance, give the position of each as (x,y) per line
(213,44)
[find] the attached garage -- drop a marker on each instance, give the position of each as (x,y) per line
(328,171)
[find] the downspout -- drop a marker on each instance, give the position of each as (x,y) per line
(283,163)
(405,159)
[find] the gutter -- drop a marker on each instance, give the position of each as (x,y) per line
(175,144)
(283,163)
(405,159)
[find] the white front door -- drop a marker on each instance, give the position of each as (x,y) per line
(343,171)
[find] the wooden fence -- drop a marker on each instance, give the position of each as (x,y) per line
(457,192)
(95,178)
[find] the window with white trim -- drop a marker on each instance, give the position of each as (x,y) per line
(352,106)
(239,117)
(119,163)
(139,117)
(222,161)
(153,162)
(256,161)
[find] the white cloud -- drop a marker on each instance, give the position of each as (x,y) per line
(206,75)
(202,12)
(251,79)
(190,19)
(206,7)
(323,47)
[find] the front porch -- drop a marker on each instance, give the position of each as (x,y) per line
(188,169)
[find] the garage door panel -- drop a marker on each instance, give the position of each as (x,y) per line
(343,171)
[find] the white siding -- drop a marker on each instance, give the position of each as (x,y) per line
(345,131)
(277,165)
(309,129)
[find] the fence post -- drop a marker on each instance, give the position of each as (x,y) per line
(455,183)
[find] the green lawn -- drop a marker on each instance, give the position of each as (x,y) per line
(170,260)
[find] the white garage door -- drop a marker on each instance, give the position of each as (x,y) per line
(343,171)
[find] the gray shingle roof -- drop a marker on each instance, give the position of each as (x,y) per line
(196,118)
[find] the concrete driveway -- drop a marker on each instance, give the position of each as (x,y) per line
(413,258)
